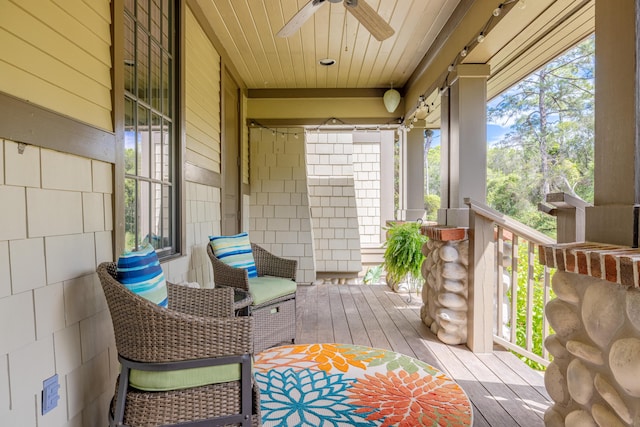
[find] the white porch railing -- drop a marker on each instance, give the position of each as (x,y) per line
(498,245)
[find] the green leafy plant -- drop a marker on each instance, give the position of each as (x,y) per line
(537,307)
(372,275)
(403,251)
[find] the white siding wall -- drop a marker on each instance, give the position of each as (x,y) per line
(56,53)
(55,228)
(332,200)
(203,220)
(202,98)
(279,218)
(366,175)
(245,143)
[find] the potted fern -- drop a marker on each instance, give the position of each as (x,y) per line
(403,252)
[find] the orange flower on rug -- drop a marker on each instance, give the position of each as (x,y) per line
(348,385)
(409,400)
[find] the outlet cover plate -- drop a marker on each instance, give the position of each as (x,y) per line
(50,395)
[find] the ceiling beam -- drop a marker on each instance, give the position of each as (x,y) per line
(318,93)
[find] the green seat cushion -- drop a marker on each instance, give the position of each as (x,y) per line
(267,288)
(184,378)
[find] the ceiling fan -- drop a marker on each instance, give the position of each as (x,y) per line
(364,13)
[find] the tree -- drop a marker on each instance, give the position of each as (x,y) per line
(551,118)
(550,144)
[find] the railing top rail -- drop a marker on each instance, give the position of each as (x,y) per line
(508,223)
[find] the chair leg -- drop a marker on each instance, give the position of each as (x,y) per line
(246,391)
(123,381)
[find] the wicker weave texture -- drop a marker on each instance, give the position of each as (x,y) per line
(198,324)
(273,324)
(163,335)
(155,409)
(275,321)
(267,264)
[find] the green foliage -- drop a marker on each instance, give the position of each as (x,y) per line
(403,251)
(549,149)
(130,201)
(433,170)
(372,275)
(550,145)
(537,307)
(431,205)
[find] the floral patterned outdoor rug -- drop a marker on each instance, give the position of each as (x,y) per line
(327,385)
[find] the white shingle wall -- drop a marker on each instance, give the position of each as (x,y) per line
(55,228)
(332,198)
(279,213)
(366,165)
(203,219)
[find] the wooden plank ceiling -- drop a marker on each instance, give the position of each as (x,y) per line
(247,31)
(429,35)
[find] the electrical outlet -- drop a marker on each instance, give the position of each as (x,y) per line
(50,394)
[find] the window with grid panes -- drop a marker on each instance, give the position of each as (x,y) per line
(150,132)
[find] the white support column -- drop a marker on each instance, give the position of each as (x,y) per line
(387,174)
(614,216)
(466,142)
(481,280)
(444,158)
(402,178)
(415,175)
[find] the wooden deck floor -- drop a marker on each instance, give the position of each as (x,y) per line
(503,390)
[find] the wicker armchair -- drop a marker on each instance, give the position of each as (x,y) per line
(198,330)
(275,320)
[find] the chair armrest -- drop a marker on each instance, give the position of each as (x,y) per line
(162,335)
(269,264)
(225,275)
(218,302)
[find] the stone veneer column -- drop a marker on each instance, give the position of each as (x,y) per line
(445,292)
(594,377)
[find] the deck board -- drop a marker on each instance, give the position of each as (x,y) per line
(502,389)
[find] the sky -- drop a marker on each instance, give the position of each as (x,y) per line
(495,132)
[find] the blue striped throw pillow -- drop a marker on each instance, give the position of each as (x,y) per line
(235,251)
(141,273)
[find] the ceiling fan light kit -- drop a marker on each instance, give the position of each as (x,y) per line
(360,9)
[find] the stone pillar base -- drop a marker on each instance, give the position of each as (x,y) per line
(445,293)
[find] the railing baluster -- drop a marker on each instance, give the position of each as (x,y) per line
(530,288)
(506,230)
(500,284)
(545,324)
(514,288)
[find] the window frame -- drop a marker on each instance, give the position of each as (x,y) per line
(177,146)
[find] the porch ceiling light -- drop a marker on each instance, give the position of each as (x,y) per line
(327,62)
(391,99)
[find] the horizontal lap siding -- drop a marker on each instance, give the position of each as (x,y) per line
(56,54)
(245,142)
(202,98)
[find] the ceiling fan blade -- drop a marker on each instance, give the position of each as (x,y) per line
(370,19)
(300,18)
